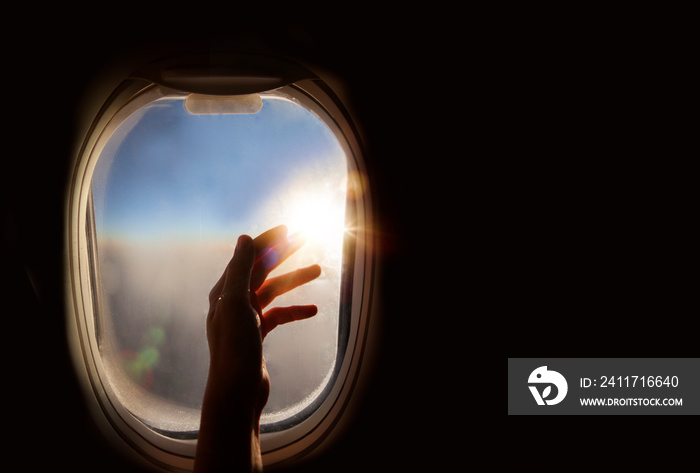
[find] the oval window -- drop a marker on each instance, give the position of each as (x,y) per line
(163,187)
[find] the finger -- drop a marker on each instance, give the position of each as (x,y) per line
(216,290)
(270,238)
(263,244)
(238,271)
(271,256)
(282,315)
(275,287)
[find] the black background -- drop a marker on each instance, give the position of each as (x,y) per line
(535,199)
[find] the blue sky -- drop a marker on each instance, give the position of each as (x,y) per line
(170,174)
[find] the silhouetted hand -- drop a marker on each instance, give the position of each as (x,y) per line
(236,324)
(238,384)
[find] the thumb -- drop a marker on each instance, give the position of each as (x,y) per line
(239,269)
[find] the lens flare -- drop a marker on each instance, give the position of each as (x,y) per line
(319,218)
(140,365)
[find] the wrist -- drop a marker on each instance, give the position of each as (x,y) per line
(231,401)
(233,387)
(229,433)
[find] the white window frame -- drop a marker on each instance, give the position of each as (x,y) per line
(135,438)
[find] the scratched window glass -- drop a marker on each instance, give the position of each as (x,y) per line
(171,192)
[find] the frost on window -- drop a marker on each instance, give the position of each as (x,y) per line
(171,193)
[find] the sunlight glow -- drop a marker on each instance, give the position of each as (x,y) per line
(319,218)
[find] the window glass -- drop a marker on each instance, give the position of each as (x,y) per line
(171,192)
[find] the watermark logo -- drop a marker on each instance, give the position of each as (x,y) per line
(547,378)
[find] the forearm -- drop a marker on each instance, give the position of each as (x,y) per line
(229,433)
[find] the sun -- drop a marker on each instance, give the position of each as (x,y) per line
(319,216)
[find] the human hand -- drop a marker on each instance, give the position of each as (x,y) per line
(237,325)
(238,384)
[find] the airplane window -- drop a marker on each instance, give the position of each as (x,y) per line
(173,188)
(167,175)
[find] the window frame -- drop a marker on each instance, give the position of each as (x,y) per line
(280,441)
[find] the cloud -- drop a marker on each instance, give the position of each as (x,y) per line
(163,288)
